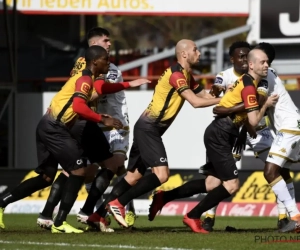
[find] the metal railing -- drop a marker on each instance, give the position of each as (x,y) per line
(218,39)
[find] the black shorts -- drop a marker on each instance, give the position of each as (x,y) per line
(147,150)
(219,144)
(91,137)
(56,145)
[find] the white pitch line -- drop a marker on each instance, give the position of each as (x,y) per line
(91,245)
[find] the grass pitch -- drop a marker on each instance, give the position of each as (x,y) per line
(164,233)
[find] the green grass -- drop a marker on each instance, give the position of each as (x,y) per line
(165,232)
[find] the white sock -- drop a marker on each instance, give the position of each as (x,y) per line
(282,193)
(281,209)
(290,187)
(211,212)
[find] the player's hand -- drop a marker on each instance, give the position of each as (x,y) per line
(112,122)
(138,82)
(216,90)
(272,100)
(229,88)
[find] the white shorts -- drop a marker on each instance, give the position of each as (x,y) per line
(118,140)
(285,149)
(261,144)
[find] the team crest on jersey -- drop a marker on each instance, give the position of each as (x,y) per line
(251,99)
(181,82)
(85,88)
(112,75)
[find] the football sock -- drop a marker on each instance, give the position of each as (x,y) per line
(282,193)
(99,185)
(130,207)
(210,200)
(186,190)
(55,195)
(121,187)
(69,196)
(291,188)
(211,212)
(145,184)
(25,189)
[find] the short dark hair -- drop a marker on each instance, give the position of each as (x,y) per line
(97,31)
(268,49)
(94,52)
(236,45)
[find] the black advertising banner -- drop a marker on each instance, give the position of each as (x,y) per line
(279,19)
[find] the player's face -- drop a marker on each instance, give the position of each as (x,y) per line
(193,54)
(102,65)
(103,41)
(239,60)
(261,65)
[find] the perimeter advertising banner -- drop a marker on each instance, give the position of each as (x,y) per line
(133,7)
(255,197)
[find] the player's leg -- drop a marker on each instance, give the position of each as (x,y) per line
(209,221)
(218,144)
(46,172)
(69,153)
(261,146)
(285,147)
(152,154)
(45,218)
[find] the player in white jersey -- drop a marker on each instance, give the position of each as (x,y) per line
(238,52)
(285,149)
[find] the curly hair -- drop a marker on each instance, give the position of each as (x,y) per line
(236,45)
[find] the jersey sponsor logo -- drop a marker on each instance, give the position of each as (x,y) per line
(218,80)
(85,88)
(181,82)
(251,99)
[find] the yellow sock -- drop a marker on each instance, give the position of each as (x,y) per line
(282,216)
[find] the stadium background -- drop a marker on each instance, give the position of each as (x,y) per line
(42,39)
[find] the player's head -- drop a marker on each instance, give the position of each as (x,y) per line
(238,52)
(187,52)
(268,49)
(99,36)
(96,58)
(258,63)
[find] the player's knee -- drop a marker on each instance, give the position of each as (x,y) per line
(163,177)
(271,172)
(211,183)
(232,186)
